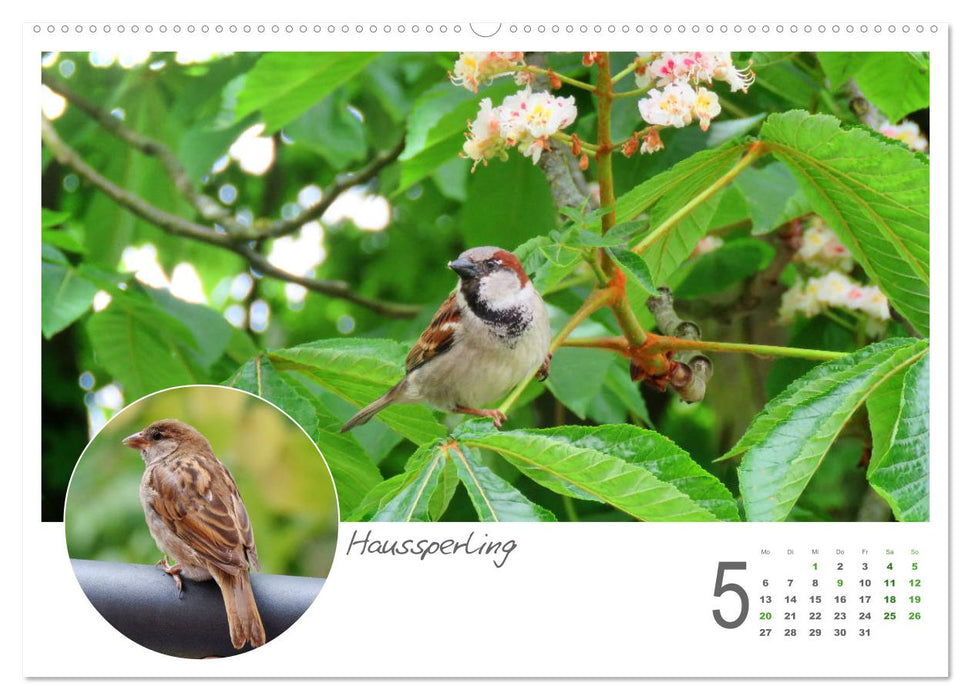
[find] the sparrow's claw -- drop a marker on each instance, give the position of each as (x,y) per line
(497,416)
(544,371)
(172,570)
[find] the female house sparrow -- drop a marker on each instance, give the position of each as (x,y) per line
(195,514)
(489,334)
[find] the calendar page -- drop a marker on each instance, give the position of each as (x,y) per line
(424,348)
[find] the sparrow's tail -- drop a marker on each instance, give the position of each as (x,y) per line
(367,413)
(245,624)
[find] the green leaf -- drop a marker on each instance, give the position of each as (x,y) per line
(444,491)
(786,442)
(773,195)
(412,500)
(332,130)
(897,82)
(435,127)
(664,195)
(507,203)
(283,85)
(546,262)
(635,267)
(577,376)
(560,460)
(353,471)
(875,195)
(65,297)
(838,66)
(663,458)
(52,219)
(494,499)
(140,352)
(211,331)
(722,268)
(902,475)
(359,371)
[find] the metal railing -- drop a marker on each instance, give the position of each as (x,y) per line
(143,604)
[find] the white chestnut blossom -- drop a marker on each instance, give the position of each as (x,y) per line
(697,67)
(821,249)
(672,106)
(907,132)
(836,290)
(475,67)
(484,140)
(525,120)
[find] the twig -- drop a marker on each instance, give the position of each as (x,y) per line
(207,207)
(184,228)
(341,184)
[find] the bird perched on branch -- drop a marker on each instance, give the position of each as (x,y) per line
(489,334)
(196,516)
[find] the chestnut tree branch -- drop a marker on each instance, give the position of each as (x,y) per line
(183,228)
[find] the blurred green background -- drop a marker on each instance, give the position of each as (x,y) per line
(286,486)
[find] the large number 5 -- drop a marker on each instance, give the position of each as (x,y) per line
(722,587)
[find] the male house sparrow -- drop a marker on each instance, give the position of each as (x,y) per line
(488,335)
(195,514)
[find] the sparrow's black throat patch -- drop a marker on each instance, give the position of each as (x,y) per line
(508,323)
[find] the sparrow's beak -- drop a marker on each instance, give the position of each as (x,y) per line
(464,268)
(135,441)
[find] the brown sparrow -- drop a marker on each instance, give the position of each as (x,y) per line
(195,514)
(489,334)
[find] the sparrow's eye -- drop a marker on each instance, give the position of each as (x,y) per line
(492,263)
(157,435)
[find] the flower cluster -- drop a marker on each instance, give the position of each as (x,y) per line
(835,289)
(906,131)
(526,119)
(678,96)
(820,248)
(475,67)
(821,251)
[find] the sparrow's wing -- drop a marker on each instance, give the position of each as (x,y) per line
(438,338)
(196,497)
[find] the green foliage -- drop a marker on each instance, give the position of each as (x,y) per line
(874,194)
(900,464)
(582,445)
(282,86)
(787,441)
(896,82)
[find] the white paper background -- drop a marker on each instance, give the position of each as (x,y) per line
(670,568)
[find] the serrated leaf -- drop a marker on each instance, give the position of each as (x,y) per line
(413,497)
(873,194)
(902,475)
(663,458)
(65,297)
(786,442)
(359,371)
(444,491)
(558,460)
(127,342)
(283,85)
(666,194)
(635,266)
(494,499)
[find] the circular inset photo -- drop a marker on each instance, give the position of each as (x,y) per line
(201,521)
